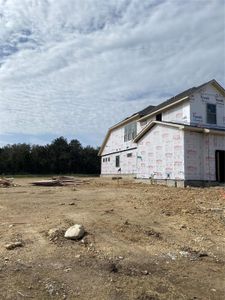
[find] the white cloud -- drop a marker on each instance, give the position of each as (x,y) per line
(74,67)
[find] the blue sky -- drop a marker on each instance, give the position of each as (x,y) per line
(76,67)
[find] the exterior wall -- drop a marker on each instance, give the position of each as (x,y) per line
(199,153)
(116,146)
(116,142)
(143,124)
(179,113)
(198,102)
(160,154)
(127,164)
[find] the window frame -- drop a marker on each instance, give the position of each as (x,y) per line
(130,131)
(117,161)
(210,114)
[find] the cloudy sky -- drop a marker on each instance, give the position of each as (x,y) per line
(75,67)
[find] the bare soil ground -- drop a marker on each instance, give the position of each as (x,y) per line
(143,242)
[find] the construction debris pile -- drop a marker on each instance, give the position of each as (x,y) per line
(60,181)
(7,182)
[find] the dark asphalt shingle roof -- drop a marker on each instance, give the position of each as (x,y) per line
(150,109)
(146,110)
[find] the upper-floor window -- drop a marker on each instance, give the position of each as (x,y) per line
(159,117)
(130,131)
(211,113)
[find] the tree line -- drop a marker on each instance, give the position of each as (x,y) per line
(59,157)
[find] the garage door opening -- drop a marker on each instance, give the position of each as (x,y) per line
(220,165)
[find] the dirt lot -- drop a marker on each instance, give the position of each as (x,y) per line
(143,242)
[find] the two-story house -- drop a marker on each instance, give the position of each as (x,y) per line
(179,142)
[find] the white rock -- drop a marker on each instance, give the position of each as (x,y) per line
(75,232)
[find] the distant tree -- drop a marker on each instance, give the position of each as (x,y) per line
(59,157)
(75,155)
(91,161)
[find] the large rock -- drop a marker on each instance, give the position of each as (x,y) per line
(75,232)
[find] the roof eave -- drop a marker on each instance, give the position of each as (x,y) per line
(218,87)
(152,124)
(128,120)
(164,108)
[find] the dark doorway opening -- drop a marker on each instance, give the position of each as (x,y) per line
(220,165)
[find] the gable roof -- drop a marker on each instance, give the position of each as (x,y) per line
(183,96)
(138,114)
(151,110)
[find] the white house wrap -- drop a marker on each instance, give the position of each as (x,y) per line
(180,141)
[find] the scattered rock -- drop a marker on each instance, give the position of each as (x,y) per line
(166,213)
(183,226)
(108,211)
(113,268)
(152,232)
(126,222)
(54,233)
(67,270)
(12,246)
(172,255)
(71,203)
(145,272)
(75,232)
(192,254)
(202,254)
(84,241)
(120,257)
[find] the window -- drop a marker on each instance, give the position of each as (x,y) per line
(211,113)
(159,117)
(130,131)
(117,161)
(129,154)
(108,158)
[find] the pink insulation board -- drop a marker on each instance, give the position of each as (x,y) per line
(160,154)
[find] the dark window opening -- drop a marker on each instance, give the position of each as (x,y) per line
(211,113)
(117,161)
(129,154)
(159,117)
